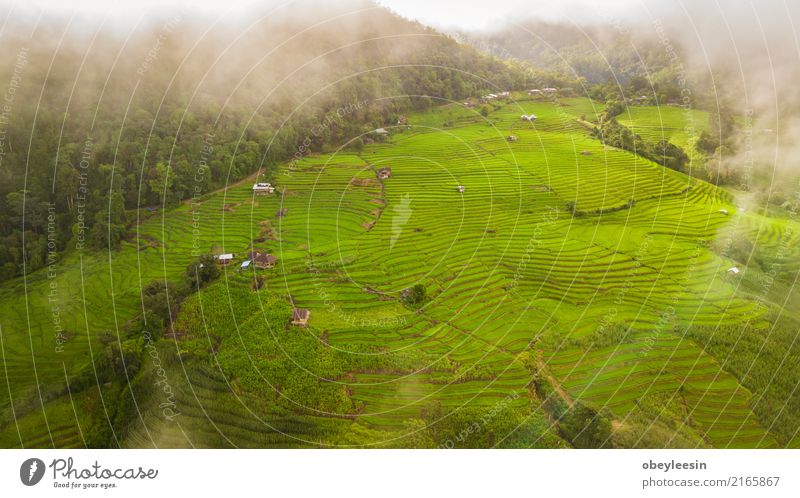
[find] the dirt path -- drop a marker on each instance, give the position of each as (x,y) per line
(545,373)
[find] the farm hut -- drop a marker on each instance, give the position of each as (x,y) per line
(723,211)
(263,188)
(300,317)
(534,92)
(733,271)
(511,138)
(245,265)
(380,131)
(549,90)
(225,259)
(264,261)
(385,173)
(503,95)
(528,117)
(461,189)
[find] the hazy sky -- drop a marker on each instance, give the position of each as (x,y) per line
(464,14)
(467,14)
(471,14)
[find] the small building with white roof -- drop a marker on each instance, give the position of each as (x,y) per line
(263,188)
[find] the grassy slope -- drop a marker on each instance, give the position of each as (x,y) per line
(680,126)
(510,275)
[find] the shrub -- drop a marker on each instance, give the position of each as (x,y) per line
(414,295)
(201,272)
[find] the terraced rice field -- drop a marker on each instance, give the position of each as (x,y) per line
(678,125)
(512,278)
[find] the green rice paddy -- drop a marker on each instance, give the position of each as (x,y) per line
(597,301)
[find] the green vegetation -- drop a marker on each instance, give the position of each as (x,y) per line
(680,126)
(414,295)
(574,294)
(107,153)
(663,152)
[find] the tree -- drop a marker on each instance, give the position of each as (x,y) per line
(585,427)
(417,434)
(414,295)
(638,84)
(201,272)
(126,360)
(671,156)
(109,226)
(722,125)
(103,234)
(160,181)
(720,167)
(706,143)
(161,298)
(613,108)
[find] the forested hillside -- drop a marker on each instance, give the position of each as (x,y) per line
(514,242)
(108,120)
